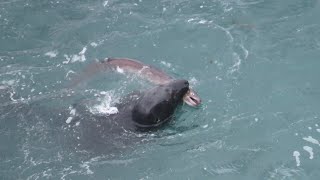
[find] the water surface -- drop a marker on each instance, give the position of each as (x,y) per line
(255,63)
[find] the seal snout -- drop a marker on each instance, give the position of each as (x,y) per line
(191,98)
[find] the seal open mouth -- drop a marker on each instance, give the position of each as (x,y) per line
(192,99)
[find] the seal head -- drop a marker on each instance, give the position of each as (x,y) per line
(157,105)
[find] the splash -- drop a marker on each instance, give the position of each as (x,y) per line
(119,70)
(105,106)
(86,166)
(72,114)
(166,64)
(9,82)
(311,140)
(51,54)
(93,44)
(309,150)
(105,3)
(296,154)
(80,57)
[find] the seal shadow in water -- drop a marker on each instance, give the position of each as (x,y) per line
(138,113)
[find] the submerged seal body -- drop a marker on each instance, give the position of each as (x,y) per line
(137,112)
(77,129)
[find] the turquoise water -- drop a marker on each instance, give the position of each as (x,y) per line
(255,64)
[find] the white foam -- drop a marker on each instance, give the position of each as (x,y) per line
(73,112)
(105,3)
(246,52)
(222,170)
(76,57)
(83,51)
(105,107)
(318,130)
(191,19)
(256,119)
(309,150)
(11,96)
(103,92)
(119,70)
(166,64)
(68,59)
(164,9)
(70,71)
(296,154)
(142,69)
(86,166)
(236,66)
(9,82)
(310,128)
(311,140)
(202,21)
(69,120)
(112,110)
(193,81)
(51,54)
(283,172)
(93,44)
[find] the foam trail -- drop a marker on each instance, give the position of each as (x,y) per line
(51,54)
(309,150)
(311,140)
(296,154)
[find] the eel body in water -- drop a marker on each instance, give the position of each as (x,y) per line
(150,73)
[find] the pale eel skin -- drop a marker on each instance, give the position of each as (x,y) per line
(152,74)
